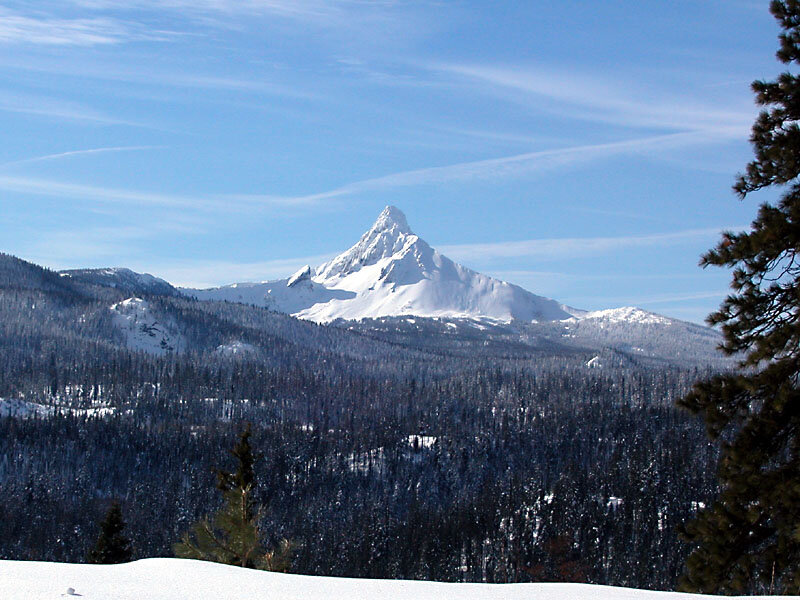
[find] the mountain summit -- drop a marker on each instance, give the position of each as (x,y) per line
(391,218)
(391,271)
(388,235)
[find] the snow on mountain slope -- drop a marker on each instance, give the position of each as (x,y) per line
(176,579)
(392,272)
(289,295)
(626,314)
(142,330)
(640,333)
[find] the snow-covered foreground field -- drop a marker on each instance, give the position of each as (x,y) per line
(175,579)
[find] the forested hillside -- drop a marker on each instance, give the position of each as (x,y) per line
(384,455)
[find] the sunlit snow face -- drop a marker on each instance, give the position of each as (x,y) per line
(390,271)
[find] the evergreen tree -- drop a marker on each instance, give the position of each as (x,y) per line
(749,539)
(111,547)
(233,535)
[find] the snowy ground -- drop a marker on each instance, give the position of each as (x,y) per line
(174,579)
(21,409)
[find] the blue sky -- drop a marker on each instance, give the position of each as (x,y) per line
(584,150)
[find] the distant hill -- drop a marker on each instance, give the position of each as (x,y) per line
(143,313)
(123,279)
(16,273)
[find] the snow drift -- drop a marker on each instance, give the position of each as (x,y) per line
(176,579)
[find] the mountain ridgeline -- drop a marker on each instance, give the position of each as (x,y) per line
(123,279)
(391,285)
(453,446)
(391,271)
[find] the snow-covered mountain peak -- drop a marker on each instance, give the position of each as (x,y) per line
(390,271)
(391,218)
(388,236)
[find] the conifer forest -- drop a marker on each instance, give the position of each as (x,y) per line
(378,456)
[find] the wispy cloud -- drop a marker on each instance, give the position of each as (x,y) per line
(55,31)
(61,110)
(679,297)
(215,82)
(350,15)
(99,195)
(150,77)
(591,98)
(107,22)
(573,247)
(511,275)
(92,246)
(496,168)
(59,189)
(637,216)
(509,166)
(497,136)
(656,299)
(287,8)
(73,153)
